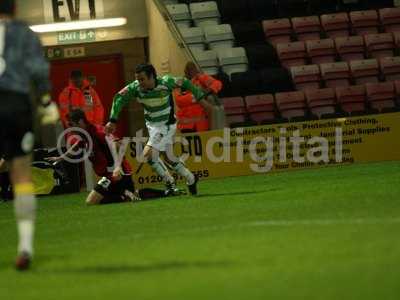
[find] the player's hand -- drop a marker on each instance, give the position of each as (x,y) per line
(117,174)
(49,114)
(110,128)
(53,159)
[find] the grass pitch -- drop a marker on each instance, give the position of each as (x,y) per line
(331,233)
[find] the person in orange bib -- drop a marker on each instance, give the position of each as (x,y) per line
(79,94)
(192,116)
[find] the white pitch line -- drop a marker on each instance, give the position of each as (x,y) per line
(321,222)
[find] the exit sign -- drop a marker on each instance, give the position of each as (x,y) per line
(75,37)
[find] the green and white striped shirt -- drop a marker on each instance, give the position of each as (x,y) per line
(158,103)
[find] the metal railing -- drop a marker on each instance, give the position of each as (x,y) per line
(175,31)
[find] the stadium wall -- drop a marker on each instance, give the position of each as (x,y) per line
(164,51)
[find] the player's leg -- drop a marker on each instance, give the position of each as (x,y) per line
(17,142)
(151,154)
(107,192)
(177,165)
(25,208)
(94,198)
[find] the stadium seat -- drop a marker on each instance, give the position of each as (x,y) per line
(235,111)
(396,36)
(275,80)
(278,30)
(365,71)
(390,68)
(219,36)
(350,48)
(237,10)
(292,8)
(194,38)
(352,99)
(390,19)
(336,25)
(292,54)
(180,14)
(321,7)
(168,2)
(262,9)
(364,22)
(262,56)
(321,51)
(261,108)
(233,60)
(292,105)
(381,96)
(307,28)
(379,45)
(205,13)
(336,74)
(248,33)
(208,61)
(247,83)
(397,89)
(306,77)
(378,4)
(322,102)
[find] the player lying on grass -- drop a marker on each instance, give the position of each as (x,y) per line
(116,184)
(155,94)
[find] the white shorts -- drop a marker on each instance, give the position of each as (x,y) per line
(161,136)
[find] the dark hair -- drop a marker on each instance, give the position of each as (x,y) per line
(148,69)
(76,74)
(7,7)
(76,115)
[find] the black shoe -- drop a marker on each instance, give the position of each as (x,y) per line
(171,190)
(23,262)
(132,197)
(193,187)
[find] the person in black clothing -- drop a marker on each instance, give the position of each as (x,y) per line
(22,64)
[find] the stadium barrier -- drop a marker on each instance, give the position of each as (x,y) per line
(282,147)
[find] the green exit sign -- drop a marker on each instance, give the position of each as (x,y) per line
(74,37)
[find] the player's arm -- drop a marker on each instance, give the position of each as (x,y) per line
(186,85)
(65,155)
(120,100)
(38,68)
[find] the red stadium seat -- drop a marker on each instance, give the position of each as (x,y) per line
(390,19)
(336,74)
(379,45)
(336,25)
(261,108)
(365,71)
(322,102)
(292,54)
(321,51)
(350,48)
(352,99)
(307,28)
(235,110)
(364,22)
(292,105)
(397,89)
(278,30)
(381,96)
(306,77)
(234,105)
(390,68)
(397,39)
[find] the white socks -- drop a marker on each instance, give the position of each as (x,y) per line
(184,172)
(25,212)
(161,169)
